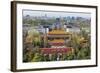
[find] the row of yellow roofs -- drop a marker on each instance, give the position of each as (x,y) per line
(57,41)
(82,40)
(58,32)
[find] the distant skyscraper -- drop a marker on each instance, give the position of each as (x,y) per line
(58,23)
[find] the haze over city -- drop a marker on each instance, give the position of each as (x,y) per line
(56,14)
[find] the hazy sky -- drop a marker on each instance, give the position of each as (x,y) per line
(55,14)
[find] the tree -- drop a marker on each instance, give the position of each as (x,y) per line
(27,57)
(37,57)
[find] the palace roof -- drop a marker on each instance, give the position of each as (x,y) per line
(58,32)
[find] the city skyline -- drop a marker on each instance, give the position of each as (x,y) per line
(56,14)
